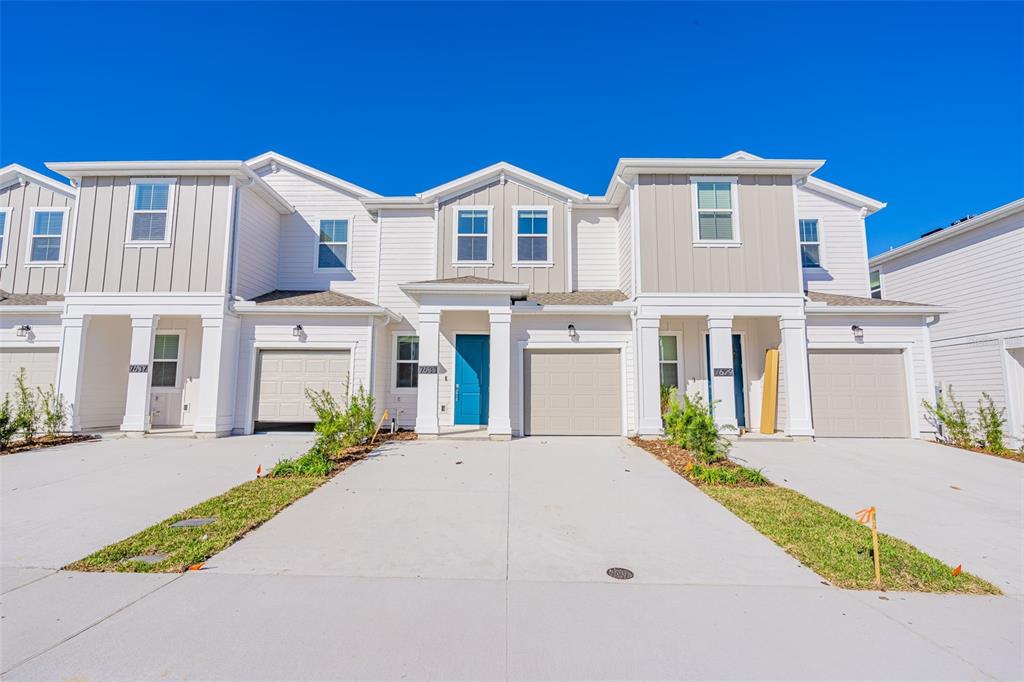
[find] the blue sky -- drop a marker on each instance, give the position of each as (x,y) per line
(920,105)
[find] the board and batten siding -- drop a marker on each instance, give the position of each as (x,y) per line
(765,262)
(15,276)
(299,238)
(194,262)
(844,248)
(256,259)
(595,238)
(501,198)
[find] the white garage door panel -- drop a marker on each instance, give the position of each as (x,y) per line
(284,377)
(40,368)
(859,393)
(573,393)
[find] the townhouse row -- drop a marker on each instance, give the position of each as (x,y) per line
(209,295)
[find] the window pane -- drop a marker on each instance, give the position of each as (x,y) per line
(714,195)
(408,347)
(333,230)
(408,375)
(670,374)
(525,223)
(810,255)
(151,196)
(714,226)
(3,222)
(876,280)
(808,230)
(332,255)
(165,347)
(473,248)
(532,249)
(667,348)
(46,249)
(149,226)
(48,223)
(165,373)
(472,222)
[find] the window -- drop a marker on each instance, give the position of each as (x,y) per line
(472,232)
(165,360)
(332,250)
(4,212)
(151,211)
(810,246)
(407,361)
(533,235)
(876,284)
(668,360)
(46,243)
(715,214)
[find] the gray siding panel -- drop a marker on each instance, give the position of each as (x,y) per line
(15,277)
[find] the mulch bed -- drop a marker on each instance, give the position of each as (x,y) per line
(1014,455)
(679,459)
(46,442)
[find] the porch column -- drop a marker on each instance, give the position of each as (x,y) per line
(648,376)
(798,382)
(136,408)
(499,419)
(218,363)
(723,386)
(426,393)
(71,367)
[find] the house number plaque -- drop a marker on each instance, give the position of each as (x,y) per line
(138,369)
(723,371)
(428,369)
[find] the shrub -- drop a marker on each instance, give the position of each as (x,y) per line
(358,421)
(8,423)
(316,462)
(691,426)
(341,427)
(991,425)
(667,393)
(55,410)
(716,474)
(753,476)
(952,416)
(27,412)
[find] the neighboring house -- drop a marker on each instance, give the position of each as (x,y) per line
(209,295)
(976,267)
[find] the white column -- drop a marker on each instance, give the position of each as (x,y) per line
(798,382)
(723,387)
(136,408)
(71,367)
(217,376)
(648,376)
(426,393)
(499,417)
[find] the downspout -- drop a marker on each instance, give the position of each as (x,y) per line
(233,247)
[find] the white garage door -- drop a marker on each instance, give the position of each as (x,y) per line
(284,376)
(40,369)
(575,393)
(859,393)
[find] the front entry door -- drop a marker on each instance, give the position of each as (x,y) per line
(737,376)
(472,377)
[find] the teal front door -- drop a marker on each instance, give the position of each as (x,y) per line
(472,377)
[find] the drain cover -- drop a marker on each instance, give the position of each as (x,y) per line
(149,558)
(188,523)
(620,573)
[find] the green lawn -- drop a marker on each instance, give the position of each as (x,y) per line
(838,548)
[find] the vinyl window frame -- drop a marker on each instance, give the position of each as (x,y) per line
(172,194)
(678,362)
(66,210)
(820,243)
(871,289)
(395,388)
(5,244)
(734,199)
(178,360)
(347,266)
(547,262)
(489,234)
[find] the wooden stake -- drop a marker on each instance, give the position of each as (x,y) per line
(383,418)
(863,516)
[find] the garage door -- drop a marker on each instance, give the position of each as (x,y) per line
(40,368)
(284,376)
(859,393)
(576,393)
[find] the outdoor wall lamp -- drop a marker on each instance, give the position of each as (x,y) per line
(24,330)
(297,331)
(858,333)
(572,332)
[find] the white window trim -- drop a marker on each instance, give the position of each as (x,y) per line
(678,361)
(737,238)
(820,242)
(180,333)
(169,225)
(490,237)
(516,263)
(6,210)
(870,291)
(395,388)
(31,237)
(347,267)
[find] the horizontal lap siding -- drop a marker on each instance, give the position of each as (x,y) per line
(972,368)
(15,278)
(625,249)
(596,236)
(844,251)
(258,230)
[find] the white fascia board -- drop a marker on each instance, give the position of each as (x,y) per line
(496,170)
(628,168)
(316,174)
(986,218)
(16,174)
(845,195)
(414,289)
(537,309)
(377,203)
(46,309)
(880,311)
(250,308)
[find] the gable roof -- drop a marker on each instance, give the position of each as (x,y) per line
(943,234)
(498,170)
(16,173)
(268,158)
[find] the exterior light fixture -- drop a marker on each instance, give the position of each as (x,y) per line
(297,331)
(858,333)
(572,332)
(24,330)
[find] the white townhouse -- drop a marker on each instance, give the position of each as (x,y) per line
(976,267)
(208,295)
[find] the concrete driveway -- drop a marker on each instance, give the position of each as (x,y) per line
(962,507)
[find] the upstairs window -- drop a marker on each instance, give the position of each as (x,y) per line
(876,284)
(332,249)
(472,234)
(715,211)
(46,243)
(533,235)
(4,212)
(165,360)
(151,212)
(810,246)
(407,361)
(668,360)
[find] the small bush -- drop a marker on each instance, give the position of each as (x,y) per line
(716,474)
(27,412)
(951,414)
(991,425)
(753,476)
(55,410)
(691,426)
(667,393)
(8,422)
(316,462)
